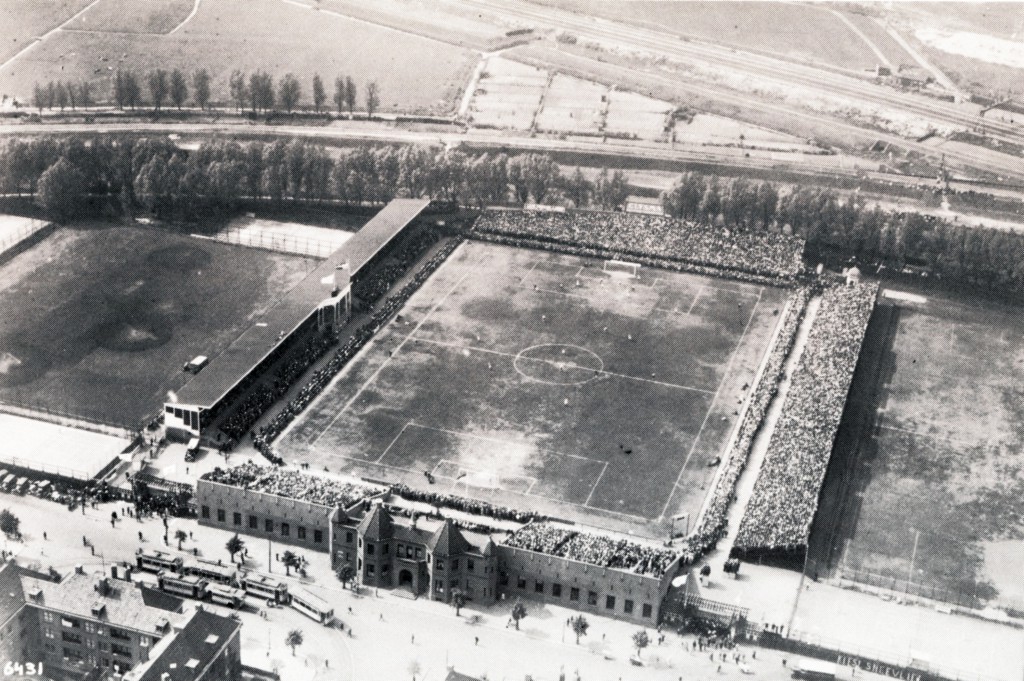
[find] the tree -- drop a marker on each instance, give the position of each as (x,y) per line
(51,94)
(180,535)
(10,524)
(346,574)
(157,81)
(319,95)
(339,92)
(85,94)
(62,95)
(577,188)
(179,88)
(518,612)
(237,88)
(290,560)
(201,88)
(289,92)
(72,93)
(458,599)
(39,97)
(640,641)
(350,95)
(132,91)
(261,91)
(611,192)
(234,545)
(372,98)
(579,627)
(293,639)
(60,190)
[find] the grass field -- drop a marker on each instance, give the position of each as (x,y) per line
(414,74)
(928,474)
(101,318)
(797,31)
(23,21)
(540,381)
(133,16)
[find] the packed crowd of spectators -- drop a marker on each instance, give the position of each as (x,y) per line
(318,381)
(369,289)
(634,236)
(713,522)
(592,549)
(291,484)
(781,508)
(266,393)
(464,504)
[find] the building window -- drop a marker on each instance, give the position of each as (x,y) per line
(574,593)
(47,616)
(144,641)
(591,598)
(521,583)
(301,532)
(254,523)
(370,549)
(318,536)
(359,564)
(286,530)
(237,518)
(556,590)
(268,525)
(609,602)
(348,537)
(419,552)
(627,607)
(371,568)
(90,643)
(470,565)
(647,610)
(538,587)
(503,579)
(455,565)
(90,628)
(439,564)
(221,516)
(408,551)
(205,512)
(48,632)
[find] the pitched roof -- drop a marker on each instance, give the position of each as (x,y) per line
(376,525)
(12,596)
(447,540)
(489,547)
(195,646)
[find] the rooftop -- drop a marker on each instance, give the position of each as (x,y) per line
(228,368)
(123,605)
(12,597)
(192,650)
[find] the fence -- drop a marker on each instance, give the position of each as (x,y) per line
(12,237)
(30,465)
(846,577)
(50,414)
(270,241)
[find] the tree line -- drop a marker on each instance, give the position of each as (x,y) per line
(156,175)
(256,92)
(844,227)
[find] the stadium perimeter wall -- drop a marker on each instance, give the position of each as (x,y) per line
(595,584)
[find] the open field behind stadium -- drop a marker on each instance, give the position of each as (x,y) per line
(414,74)
(540,381)
(796,31)
(101,318)
(25,21)
(928,472)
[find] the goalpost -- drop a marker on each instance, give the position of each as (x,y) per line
(630,269)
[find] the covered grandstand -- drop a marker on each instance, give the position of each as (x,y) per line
(322,299)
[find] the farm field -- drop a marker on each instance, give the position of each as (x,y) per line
(107,315)
(414,74)
(24,21)
(633,114)
(797,31)
(133,16)
(928,470)
(541,381)
(507,95)
(572,105)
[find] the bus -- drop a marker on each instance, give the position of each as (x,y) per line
(182,585)
(212,572)
(156,560)
(262,586)
(225,595)
(312,606)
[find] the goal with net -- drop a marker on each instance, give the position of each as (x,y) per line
(629,269)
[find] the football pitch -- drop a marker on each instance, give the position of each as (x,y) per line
(99,318)
(542,381)
(927,476)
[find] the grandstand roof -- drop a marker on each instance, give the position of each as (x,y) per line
(234,363)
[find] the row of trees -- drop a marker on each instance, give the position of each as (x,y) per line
(256,92)
(835,225)
(172,182)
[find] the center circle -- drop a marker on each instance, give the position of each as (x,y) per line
(558,364)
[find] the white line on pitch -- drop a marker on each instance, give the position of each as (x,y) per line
(391,356)
(725,375)
(388,448)
(596,483)
(695,299)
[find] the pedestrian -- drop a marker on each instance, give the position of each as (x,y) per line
(476,640)
(190,535)
(140,535)
(44,536)
(413,639)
